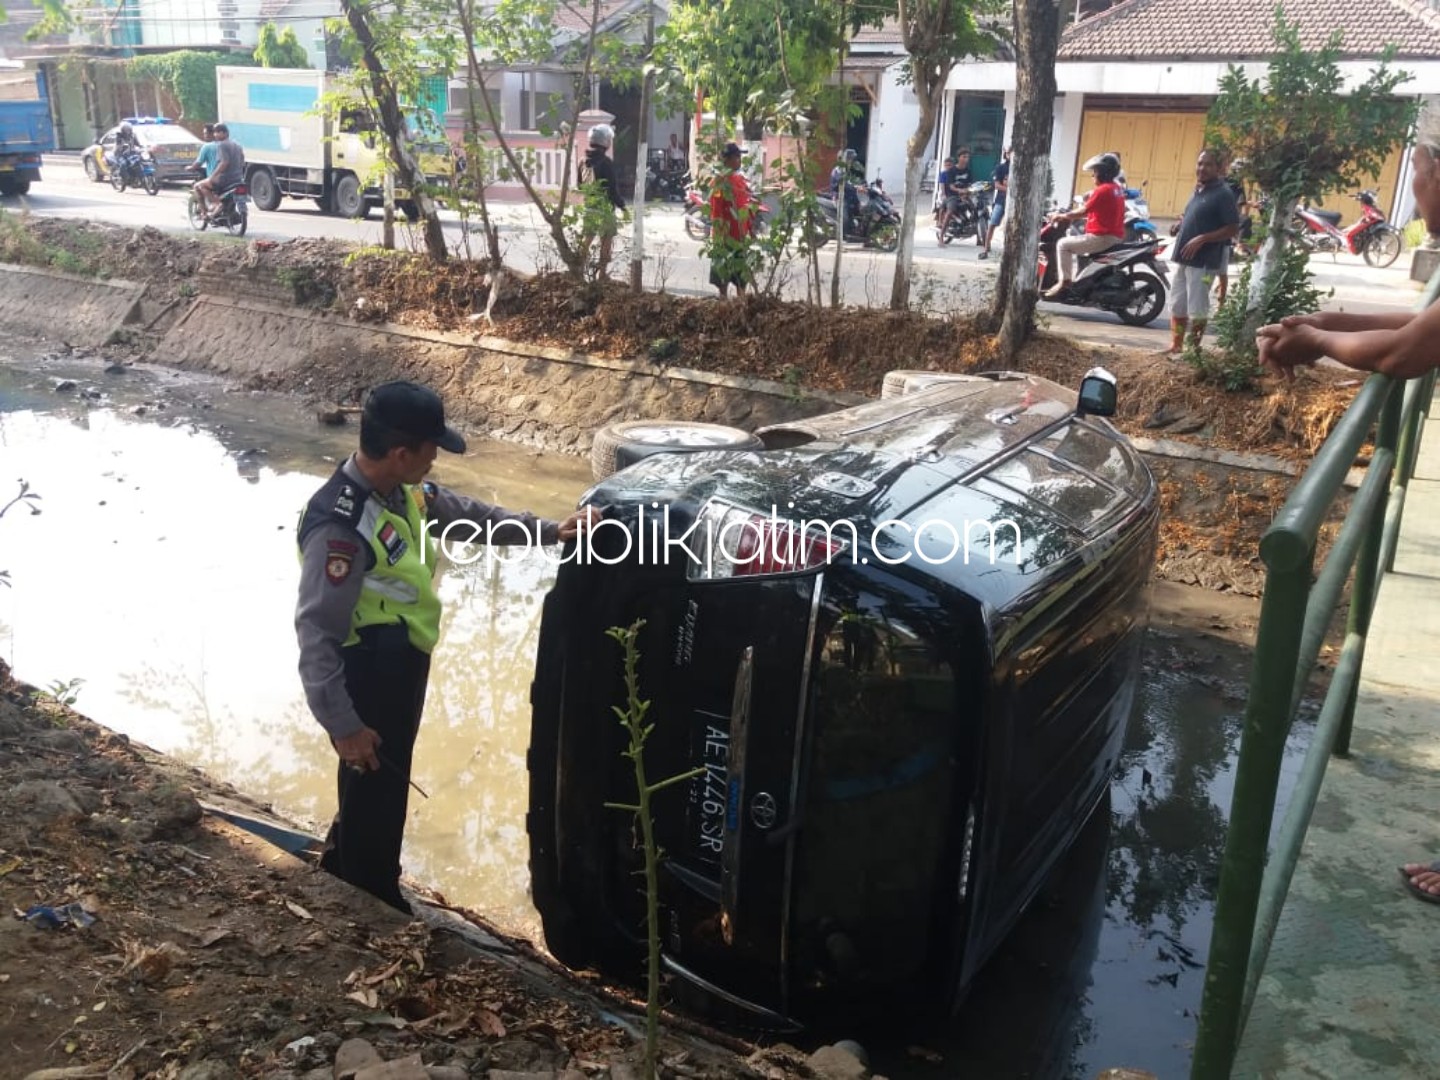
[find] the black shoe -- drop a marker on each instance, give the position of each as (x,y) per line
(983,255)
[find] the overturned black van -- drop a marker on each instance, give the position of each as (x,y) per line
(899,644)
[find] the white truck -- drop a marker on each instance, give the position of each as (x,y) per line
(294,147)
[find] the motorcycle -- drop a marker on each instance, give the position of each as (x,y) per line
(134,167)
(1138,225)
(1372,237)
(971,216)
(875,223)
(668,185)
(697,214)
(233,215)
(1128,280)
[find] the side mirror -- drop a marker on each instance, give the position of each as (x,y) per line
(1098,394)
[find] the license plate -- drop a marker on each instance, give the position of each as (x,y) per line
(181,154)
(709,791)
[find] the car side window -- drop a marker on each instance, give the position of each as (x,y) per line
(108,141)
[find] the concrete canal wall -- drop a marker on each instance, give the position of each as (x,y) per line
(52,305)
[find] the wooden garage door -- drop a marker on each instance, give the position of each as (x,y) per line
(1155,148)
(1382,184)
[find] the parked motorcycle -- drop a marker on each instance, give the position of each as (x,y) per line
(233,215)
(134,167)
(1372,237)
(1128,280)
(668,184)
(1138,225)
(875,223)
(971,216)
(697,214)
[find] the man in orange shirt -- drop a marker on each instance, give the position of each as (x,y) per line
(730,226)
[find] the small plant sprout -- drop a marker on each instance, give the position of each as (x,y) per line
(634,719)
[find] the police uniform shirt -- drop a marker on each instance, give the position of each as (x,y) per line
(334,560)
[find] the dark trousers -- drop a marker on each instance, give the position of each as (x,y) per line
(385,676)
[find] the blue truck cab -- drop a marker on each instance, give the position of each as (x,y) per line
(26,130)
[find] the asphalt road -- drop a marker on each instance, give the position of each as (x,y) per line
(949,279)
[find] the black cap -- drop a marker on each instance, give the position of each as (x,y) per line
(731,149)
(414,410)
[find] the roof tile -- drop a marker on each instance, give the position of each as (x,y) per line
(1237,29)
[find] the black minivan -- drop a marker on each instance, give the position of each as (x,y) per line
(899,642)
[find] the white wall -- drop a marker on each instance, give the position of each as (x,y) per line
(892,121)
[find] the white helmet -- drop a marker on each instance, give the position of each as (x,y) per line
(602,135)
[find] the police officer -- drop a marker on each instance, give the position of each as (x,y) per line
(368,615)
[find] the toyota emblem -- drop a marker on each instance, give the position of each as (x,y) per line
(763,811)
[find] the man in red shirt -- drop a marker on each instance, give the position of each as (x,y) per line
(730,225)
(1104,214)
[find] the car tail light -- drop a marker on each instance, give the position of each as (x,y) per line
(734,541)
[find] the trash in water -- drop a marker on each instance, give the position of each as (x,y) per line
(54,917)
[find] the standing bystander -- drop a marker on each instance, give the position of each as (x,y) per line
(1001,179)
(1203,233)
(731,225)
(597,172)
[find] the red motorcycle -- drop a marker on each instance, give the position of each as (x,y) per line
(697,215)
(1371,237)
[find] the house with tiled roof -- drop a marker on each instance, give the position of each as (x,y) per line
(1140,76)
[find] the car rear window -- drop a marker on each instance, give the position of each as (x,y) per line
(167,135)
(883,720)
(1073,472)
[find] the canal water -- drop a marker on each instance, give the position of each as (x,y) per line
(162,573)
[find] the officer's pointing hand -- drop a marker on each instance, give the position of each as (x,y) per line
(585,518)
(358,751)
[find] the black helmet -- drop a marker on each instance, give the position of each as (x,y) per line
(127,131)
(1106,166)
(849,156)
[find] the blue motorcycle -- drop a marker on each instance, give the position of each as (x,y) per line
(134,167)
(1138,225)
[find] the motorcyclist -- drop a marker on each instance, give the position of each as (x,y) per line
(846,174)
(229,170)
(1104,216)
(126,143)
(956,187)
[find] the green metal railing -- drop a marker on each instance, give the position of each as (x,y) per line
(1297,609)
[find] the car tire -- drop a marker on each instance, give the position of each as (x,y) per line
(904,381)
(622,444)
(411,210)
(264,191)
(349,200)
(92,170)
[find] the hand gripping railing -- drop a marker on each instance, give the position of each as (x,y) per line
(1294,615)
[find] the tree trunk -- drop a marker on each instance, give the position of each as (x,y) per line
(914,152)
(1037,39)
(393,124)
(647,91)
(1268,256)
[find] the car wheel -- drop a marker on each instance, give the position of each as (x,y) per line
(1383,247)
(411,211)
(92,170)
(1146,300)
(904,381)
(619,445)
(264,191)
(349,200)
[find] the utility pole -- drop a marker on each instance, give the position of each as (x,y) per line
(642,155)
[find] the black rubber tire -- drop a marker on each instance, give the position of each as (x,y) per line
(904,381)
(264,191)
(886,237)
(411,210)
(1147,301)
(323,203)
(1383,246)
(237,221)
(7,187)
(92,170)
(622,444)
(117,179)
(152,186)
(349,200)
(193,211)
(697,224)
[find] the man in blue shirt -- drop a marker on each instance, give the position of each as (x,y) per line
(1001,179)
(209,154)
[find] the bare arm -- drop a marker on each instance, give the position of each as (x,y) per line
(1398,345)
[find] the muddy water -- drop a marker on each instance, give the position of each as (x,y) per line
(162,573)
